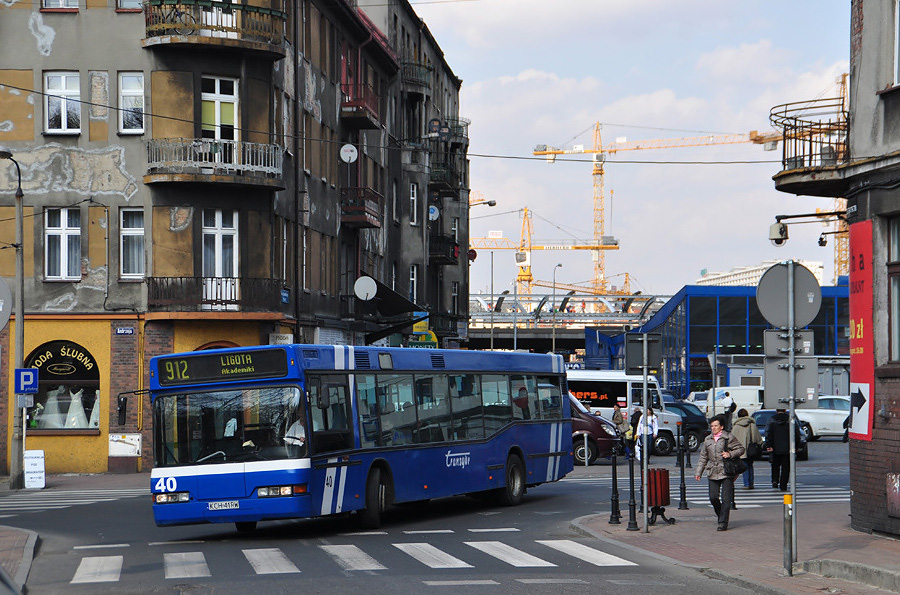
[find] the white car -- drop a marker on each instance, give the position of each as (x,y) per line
(828,419)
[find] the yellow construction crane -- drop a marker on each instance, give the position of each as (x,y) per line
(600,151)
(524,278)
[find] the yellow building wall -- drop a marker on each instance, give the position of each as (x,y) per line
(190,335)
(173,242)
(8,230)
(17,106)
(70,453)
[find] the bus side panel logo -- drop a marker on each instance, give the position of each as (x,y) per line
(458,459)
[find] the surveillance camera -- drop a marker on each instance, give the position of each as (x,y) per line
(778,233)
(823,241)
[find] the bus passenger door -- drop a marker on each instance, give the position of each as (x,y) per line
(329,405)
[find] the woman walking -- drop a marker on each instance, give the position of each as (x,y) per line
(747,433)
(717,447)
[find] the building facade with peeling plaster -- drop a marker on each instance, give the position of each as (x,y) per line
(216,175)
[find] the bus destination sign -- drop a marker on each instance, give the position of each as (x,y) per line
(219,367)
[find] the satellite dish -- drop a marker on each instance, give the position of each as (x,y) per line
(349,153)
(365,288)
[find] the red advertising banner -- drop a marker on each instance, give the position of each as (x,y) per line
(862,340)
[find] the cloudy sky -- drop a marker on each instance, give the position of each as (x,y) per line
(538,72)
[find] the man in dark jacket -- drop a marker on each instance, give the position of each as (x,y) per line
(778,445)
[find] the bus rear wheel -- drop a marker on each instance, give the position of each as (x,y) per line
(514,492)
(376,501)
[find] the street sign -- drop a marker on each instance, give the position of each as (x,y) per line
(772,295)
(26,381)
(807,382)
(634,352)
(776,343)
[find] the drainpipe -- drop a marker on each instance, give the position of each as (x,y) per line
(298,282)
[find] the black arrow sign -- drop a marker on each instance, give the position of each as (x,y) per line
(857,402)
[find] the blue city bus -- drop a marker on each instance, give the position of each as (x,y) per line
(298,431)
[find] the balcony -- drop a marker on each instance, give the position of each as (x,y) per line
(214,24)
(443,249)
(361,207)
(444,175)
(209,294)
(459,130)
(359,106)
(416,76)
(214,161)
(814,144)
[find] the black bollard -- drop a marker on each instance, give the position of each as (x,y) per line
(682,505)
(632,505)
(615,516)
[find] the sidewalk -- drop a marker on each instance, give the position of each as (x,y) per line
(832,558)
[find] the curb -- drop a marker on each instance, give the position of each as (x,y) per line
(27,558)
(715,573)
(856,572)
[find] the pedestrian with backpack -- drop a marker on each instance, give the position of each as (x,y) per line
(748,435)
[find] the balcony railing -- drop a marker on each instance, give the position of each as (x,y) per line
(416,73)
(459,129)
(444,174)
(359,105)
(361,207)
(195,19)
(213,157)
(199,294)
(443,249)
(815,133)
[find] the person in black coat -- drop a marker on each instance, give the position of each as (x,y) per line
(778,445)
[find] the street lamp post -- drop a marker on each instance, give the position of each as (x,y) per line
(553,308)
(16,460)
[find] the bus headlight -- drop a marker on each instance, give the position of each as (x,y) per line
(171,497)
(279,491)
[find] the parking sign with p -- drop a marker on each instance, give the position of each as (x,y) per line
(26,381)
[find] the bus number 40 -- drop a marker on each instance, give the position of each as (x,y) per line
(166,484)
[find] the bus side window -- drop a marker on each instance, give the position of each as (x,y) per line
(330,429)
(367,399)
(550,397)
(497,403)
(467,414)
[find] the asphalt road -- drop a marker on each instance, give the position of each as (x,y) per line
(459,543)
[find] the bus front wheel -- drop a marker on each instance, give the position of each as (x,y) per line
(512,494)
(370,516)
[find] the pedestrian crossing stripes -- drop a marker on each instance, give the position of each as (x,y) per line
(264,561)
(34,501)
(698,492)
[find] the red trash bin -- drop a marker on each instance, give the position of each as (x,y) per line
(658,494)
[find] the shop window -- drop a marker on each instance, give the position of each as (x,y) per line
(68,396)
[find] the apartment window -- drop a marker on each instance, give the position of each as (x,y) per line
(394,206)
(62,108)
(304,272)
(413,204)
(131,243)
(413,282)
(454,228)
(220,243)
(219,113)
(894,288)
(131,102)
(62,241)
(454,297)
(394,275)
(129,4)
(59,4)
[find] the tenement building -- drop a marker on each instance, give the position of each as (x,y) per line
(209,174)
(849,148)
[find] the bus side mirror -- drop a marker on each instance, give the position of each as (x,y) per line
(122,409)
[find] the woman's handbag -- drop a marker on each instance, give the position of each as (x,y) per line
(734,466)
(754,451)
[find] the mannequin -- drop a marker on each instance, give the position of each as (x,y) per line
(95,413)
(76,417)
(52,417)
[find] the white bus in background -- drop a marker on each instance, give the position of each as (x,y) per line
(599,390)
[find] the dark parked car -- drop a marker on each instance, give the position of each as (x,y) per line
(668,396)
(762,417)
(694,425)
(601,433)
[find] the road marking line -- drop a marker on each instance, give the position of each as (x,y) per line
(186,542)
(551,581)
(433,532)
(459,583)
(585,553)
(98,569)
(269,561)
(350,557)
(185,565)
(430,556)
(509,554)
(496,530)
(101,546)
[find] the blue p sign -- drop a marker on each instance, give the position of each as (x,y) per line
(26,381)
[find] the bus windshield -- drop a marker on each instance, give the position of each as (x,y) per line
(210,427)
